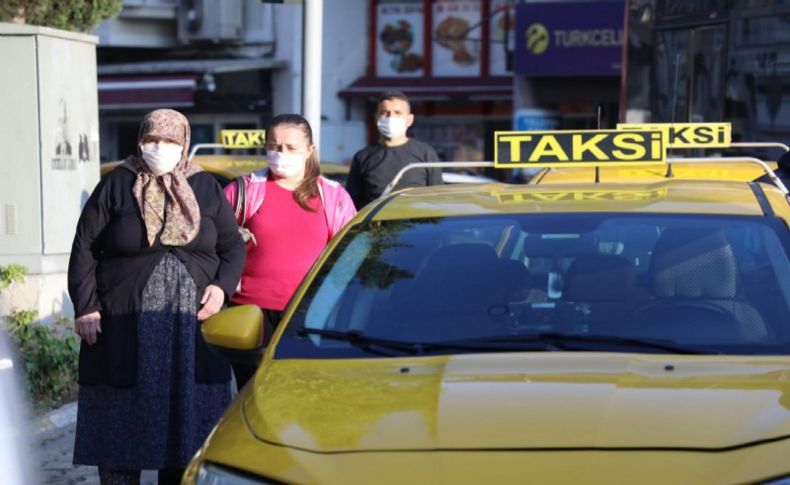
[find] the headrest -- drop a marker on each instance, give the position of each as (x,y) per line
(689,262)
(599,277)
(457,265)
(465,277)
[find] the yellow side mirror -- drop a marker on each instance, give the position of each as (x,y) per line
(237,328)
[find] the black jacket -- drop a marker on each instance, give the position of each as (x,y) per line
(111,263)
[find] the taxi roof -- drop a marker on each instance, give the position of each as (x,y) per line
(666,196)
(713,170)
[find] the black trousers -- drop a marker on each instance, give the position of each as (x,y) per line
(244,372)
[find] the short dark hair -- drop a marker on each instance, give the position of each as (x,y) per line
(390,95)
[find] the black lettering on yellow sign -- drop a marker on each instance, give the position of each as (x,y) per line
(578,148)
(243,138)
(689,135)
(592,195)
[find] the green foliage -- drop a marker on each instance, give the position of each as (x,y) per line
(50,356)
(13,273)
(49,352)
(79,15)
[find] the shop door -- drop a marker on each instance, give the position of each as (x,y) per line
(689,74)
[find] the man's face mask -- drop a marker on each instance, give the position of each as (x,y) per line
(161,158)
(391,126)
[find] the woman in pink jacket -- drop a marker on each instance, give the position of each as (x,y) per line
(292,213)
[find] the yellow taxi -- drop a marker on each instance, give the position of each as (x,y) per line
(628,332)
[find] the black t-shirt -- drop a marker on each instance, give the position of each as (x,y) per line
(374,167)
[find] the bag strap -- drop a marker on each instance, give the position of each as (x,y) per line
(241,201)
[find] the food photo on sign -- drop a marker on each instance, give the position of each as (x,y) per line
(456,38)
(399,40)
(502,27)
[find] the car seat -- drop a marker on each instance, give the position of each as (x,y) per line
(695,290)
(461,289)
(601,290)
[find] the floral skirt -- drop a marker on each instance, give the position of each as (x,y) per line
(163,420)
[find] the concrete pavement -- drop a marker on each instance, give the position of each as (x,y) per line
(53,443)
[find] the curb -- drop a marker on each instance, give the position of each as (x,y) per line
(55,419)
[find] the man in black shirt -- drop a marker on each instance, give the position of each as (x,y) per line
(374,167)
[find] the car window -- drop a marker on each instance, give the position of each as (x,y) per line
(709,283)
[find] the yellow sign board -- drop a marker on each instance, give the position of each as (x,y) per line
(580,195)
(578,148)
(688,135)
(243,138)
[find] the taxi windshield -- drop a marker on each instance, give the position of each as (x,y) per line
(648,283)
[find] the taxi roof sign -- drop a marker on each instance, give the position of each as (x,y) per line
(243,138)
(579,148)
(688,135)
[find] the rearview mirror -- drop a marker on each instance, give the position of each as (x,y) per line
(236,333)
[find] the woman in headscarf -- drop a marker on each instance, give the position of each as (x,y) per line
(156,251)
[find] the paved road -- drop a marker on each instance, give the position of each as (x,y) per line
(53,455)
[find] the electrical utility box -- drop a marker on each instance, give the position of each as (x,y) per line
(49,131)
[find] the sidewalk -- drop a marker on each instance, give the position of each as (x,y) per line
(55,419)
(53,445)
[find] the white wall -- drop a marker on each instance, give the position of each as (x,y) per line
(287,82)
(345,54)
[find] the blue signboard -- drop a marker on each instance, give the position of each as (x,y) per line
(569,39)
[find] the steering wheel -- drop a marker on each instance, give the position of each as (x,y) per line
(683,318)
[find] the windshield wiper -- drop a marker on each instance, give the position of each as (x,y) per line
(367,343)
(359,339)
(562,341)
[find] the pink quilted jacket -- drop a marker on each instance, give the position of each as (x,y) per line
(338,206)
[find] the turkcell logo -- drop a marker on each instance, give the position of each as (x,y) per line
(537,37)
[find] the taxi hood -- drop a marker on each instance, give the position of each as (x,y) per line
(521,401)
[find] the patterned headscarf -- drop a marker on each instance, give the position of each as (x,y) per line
(167,203)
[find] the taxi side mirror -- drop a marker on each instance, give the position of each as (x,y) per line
(236,333)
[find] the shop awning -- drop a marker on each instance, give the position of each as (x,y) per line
(196,66)
(433,89)
(147,92)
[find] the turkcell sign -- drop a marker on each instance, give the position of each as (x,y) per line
(578,148)
(569,39)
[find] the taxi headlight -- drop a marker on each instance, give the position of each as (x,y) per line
(209,474)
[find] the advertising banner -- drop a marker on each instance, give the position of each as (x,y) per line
(503,39)
(569,39)
(456,37)
(399,39)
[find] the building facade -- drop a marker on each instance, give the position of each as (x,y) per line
(219,62)
(710,60)
(452,58)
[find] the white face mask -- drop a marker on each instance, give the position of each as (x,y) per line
(161,158)
(285,165)
(392,126)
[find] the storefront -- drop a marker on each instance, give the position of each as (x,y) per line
(215,94)
(453,59)
(568,64)
(710,60)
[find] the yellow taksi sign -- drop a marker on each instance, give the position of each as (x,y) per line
(688,135)
(580,195)
(578,148)
(243,138)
